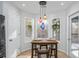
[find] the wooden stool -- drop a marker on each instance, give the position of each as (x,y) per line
(43,52)
(54,49)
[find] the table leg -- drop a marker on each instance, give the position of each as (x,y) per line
(56,52)
(32,52)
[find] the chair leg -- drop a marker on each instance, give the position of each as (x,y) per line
(46,47)
(35,52)
(47,55)
(40,47)
(51,52)
(39,56)
(54,53)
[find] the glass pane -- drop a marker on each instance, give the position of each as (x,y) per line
(75,36)
(56,28)
(28,27)
(74,30)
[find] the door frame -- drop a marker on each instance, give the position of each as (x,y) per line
(69,32)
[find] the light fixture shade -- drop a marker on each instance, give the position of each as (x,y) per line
(42,2)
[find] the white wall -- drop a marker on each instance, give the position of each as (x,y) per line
(73,8)
(12,26)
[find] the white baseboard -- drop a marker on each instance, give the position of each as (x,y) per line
(63,51)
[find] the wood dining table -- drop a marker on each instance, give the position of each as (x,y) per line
(41,42)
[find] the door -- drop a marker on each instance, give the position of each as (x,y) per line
(12,33)
(73,41)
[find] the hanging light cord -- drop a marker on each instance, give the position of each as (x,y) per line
(40,11)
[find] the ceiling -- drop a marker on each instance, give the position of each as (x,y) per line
(34,8)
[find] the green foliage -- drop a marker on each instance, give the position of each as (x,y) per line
(29,27)
(56,26)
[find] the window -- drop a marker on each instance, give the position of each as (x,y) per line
(28,26)
(56,28)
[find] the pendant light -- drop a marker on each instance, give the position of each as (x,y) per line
(43,10)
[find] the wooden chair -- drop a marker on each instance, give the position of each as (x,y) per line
(43,45)
(35,49)
(40,52)
(43,50)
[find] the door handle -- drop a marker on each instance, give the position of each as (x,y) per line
(10,40)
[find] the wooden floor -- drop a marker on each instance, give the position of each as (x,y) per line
(27,54)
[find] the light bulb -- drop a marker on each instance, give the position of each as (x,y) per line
(45,17)
(62,4)
(23,5)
